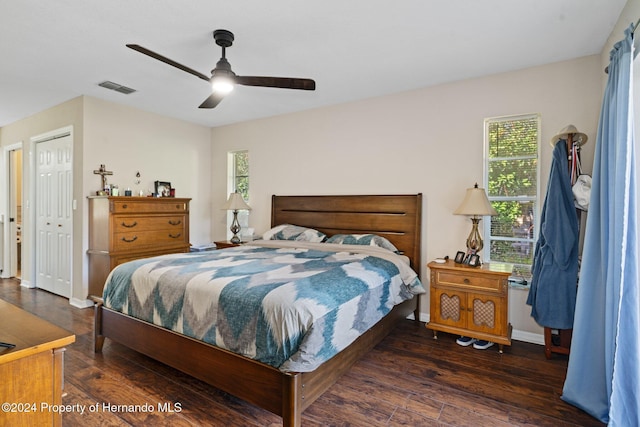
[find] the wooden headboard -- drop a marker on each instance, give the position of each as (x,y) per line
(396,217)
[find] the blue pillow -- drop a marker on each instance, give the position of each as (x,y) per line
(363,239)
(294,232)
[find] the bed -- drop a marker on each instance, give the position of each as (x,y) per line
(284,392)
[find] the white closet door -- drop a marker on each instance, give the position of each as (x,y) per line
(54,215)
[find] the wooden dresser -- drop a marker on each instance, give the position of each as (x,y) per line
(123,229)
(33,371)
(470,301)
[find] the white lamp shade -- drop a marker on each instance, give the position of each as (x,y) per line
(475,203)
(236,203)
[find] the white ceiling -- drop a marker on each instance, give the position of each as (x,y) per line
(53,51)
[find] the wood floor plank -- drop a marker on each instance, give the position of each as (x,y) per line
(409,379)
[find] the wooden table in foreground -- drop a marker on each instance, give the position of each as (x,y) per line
(32,373)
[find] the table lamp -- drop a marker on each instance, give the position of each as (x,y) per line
(235,203)
(475,204)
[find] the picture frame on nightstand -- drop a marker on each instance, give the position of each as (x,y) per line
(474,260)
(459,259)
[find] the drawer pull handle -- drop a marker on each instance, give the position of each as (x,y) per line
(130,225)
(124,239)
(175,222)
(125,206)
(176,236)
(466,281)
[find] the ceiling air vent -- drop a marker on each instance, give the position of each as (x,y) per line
(115,86)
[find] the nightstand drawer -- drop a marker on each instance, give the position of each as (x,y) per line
(490,283)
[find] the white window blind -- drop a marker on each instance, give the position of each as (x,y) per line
(511,174)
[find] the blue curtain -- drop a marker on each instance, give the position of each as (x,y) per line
(603,376)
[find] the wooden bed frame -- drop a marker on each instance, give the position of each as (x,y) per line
(287,394)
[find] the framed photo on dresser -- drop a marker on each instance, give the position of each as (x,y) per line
(163,189)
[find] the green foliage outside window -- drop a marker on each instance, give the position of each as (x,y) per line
(241,173)
(512,187)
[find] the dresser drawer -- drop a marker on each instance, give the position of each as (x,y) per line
(483,282)
(149,206)
(125,224)
(132,241)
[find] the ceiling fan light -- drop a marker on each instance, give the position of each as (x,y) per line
(221,85)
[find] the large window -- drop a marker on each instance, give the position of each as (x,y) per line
(511,174)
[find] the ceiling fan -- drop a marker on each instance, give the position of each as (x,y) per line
(223,78)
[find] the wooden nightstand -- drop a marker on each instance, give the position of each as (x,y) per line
(226,244)
(470,301)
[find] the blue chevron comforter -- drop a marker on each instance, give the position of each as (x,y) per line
(291,305)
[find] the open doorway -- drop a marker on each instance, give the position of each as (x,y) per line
(13,227)
(15,208)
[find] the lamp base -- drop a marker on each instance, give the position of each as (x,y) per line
(474,241)
(235,228)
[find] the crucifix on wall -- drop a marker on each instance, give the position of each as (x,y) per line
(103,172)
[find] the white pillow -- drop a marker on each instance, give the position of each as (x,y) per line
(363,239)
(294,232)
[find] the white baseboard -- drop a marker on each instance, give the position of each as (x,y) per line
(516,335)
(26,284)
(81,303)
(529,337)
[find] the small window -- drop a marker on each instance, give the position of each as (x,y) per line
(240,174)
(511,174)
(238,181)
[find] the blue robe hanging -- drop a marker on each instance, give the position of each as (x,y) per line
(552,295)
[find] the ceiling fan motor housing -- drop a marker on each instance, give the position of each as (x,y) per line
(223,38)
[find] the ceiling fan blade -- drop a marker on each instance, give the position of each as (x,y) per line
(166,60)
(279,82)
(212,101)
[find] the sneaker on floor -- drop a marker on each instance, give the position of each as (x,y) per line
(465,341)
(482,344)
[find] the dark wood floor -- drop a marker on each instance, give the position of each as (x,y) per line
(408,379)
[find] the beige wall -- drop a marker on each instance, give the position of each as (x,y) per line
(65,115)
(629,15)
(428,141)
(126,140)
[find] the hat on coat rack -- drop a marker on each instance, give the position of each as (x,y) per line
(578,137)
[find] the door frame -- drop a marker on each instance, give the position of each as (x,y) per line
(33,171)
(8,236)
